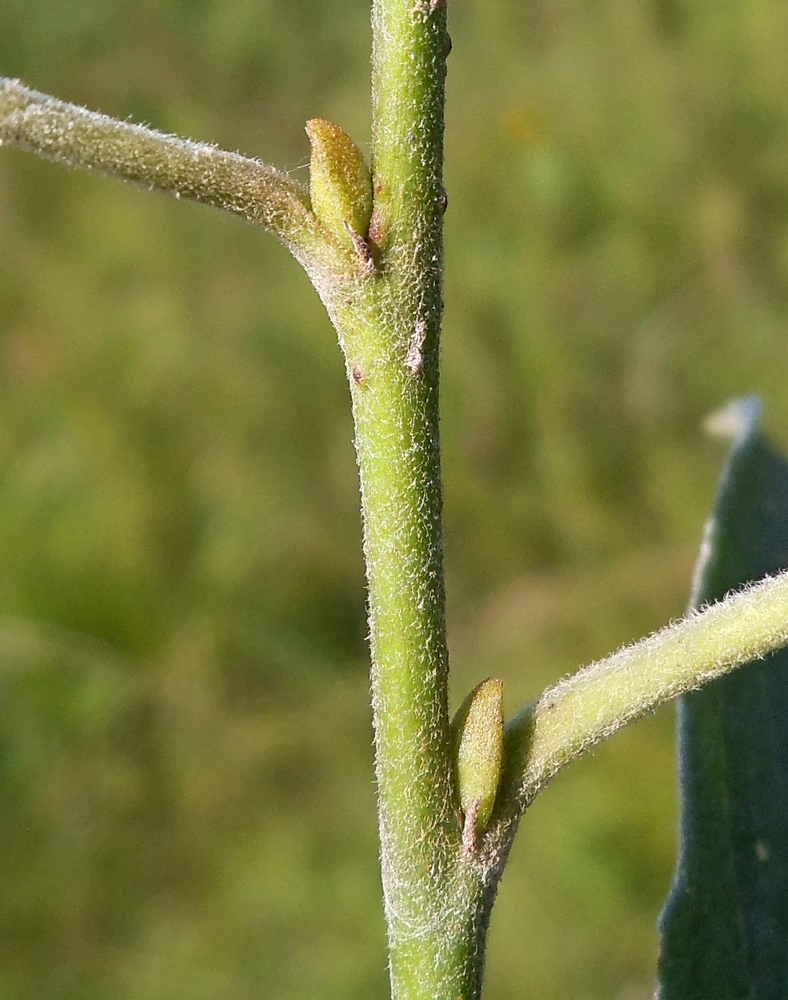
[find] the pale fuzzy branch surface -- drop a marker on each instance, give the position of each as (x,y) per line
(581,711)
(67,133)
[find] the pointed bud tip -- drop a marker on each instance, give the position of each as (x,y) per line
(339,180)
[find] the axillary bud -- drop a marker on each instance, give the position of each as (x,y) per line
(478,741)
(340,185)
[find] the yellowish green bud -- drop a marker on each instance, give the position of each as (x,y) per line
(478,736)
(340,185)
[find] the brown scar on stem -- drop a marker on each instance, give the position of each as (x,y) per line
(357,372)
(427,6)
(377,230)
(414,359)
(363,250)
(470,841)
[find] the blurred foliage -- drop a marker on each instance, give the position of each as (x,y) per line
(186,796)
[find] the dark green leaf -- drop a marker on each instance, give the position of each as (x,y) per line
(725,925)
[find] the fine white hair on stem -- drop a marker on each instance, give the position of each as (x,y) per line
(580,711)
(200,171)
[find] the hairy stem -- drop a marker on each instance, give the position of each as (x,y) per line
(257,192)
(392,350)
(585,709)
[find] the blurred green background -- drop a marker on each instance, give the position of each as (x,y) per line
(186,796)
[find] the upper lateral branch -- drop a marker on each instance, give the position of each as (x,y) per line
(70,134)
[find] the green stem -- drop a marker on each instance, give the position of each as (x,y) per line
(391,340)
(409,48)
(257,192)
(593,704)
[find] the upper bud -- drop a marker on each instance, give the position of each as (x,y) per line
(339,181)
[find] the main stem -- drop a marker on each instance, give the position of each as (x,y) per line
(383,292)
(390,326)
